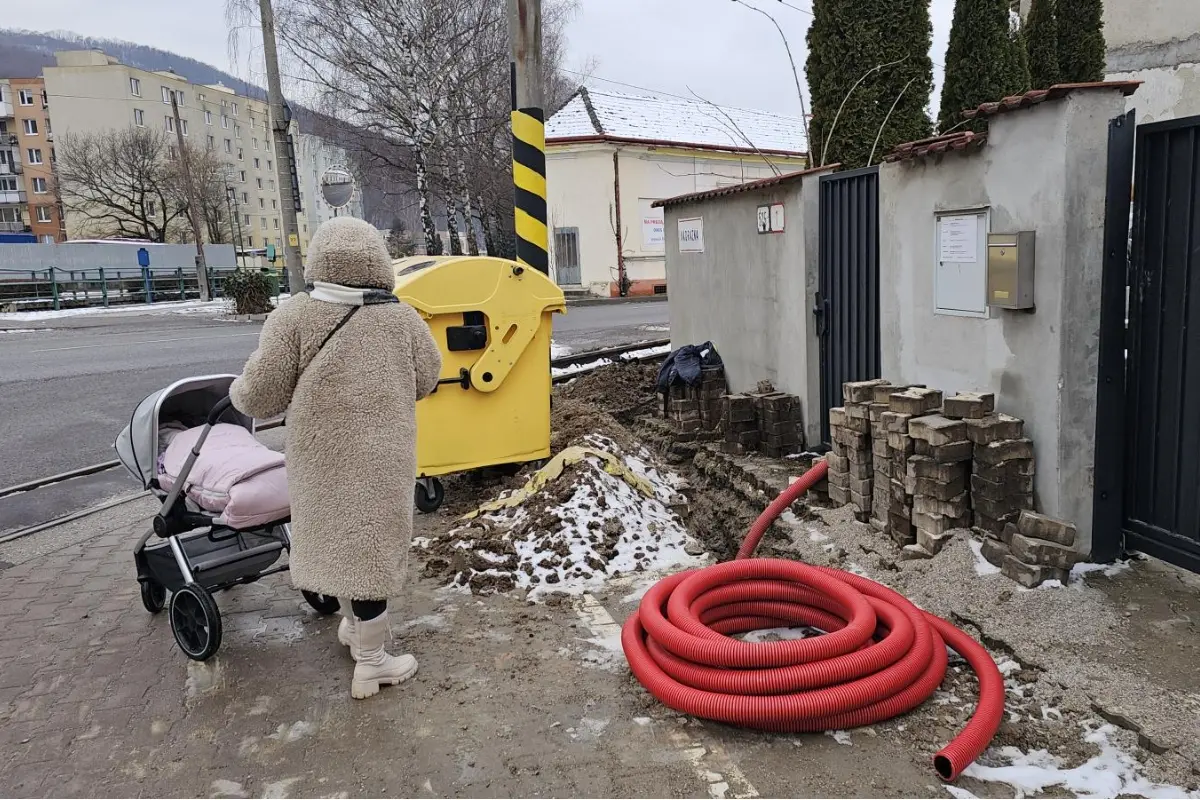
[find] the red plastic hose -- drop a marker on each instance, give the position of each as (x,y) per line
(880,655)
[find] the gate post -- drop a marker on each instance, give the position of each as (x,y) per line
(1108,478)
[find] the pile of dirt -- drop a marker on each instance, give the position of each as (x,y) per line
(623,390)
(596,519)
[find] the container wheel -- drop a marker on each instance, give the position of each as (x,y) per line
(154,595)
(323,604)
(196,622)
(429,495)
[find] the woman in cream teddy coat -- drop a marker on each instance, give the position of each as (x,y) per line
(348,362)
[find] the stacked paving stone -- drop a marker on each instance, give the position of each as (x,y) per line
(851,467)
(881,457)
(904,403)
(740,425)
(1033,550)
(1002,468)
(695,411)
(938,471)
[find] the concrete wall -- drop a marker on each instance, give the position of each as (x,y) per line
(750,293)
(1156,41)
(110,256)
(580,189)
(1042,169)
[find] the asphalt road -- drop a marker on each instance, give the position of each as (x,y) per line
(69,385)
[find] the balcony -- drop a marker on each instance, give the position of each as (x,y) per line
(10,169)
(8,198)
(13,227)
(6,109)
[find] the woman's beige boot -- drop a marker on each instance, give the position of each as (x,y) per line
(347,632)
(373,666)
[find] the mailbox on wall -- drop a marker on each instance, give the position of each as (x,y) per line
(1010,270)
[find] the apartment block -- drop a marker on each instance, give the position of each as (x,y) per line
(89,91)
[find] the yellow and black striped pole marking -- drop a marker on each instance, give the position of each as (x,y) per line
(529,178)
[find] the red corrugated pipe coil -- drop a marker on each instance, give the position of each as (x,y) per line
(880,655)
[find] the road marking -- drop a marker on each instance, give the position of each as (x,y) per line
(148,341)
(712,765)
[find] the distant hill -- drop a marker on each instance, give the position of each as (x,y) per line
(23,54)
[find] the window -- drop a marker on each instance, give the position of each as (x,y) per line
(135,87)
(200,97)
(272,183)
(169,124)
(8,184)
(183,126)
(241,154)
(245,197)
(257,164)
(179,98)
(274,203)
(243,176)
(263,223)
(212,143)
(25,97)
(262,203)
(39,185)
(207,117)
(172,153)
(31,128)
(35,156)
(235,109)
(259,182)
(166,95)
(229,146)
(237,130)
(246,220)
(225,122)
(250,241)
(276,221)
(256,144)
(270,165)
(43,214)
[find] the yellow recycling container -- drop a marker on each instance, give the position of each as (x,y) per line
(491,318)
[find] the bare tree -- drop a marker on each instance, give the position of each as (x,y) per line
(211,176)
(122,183)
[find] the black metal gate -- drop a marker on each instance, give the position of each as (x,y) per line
(1159,402)
(847,306)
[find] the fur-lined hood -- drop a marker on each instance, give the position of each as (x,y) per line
(349,252)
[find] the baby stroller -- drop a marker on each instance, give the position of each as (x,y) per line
(204,544)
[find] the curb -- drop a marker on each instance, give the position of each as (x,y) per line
(616,301)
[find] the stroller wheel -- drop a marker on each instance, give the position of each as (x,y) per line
(154,596)
(196,622)
(322,603)
(429,495)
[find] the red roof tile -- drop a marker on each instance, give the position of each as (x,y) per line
(1036,96)
(763,183)
(960,140)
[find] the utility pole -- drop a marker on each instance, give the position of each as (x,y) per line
(285,168)
(193,205)
(529,133)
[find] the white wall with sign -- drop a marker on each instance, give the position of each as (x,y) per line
(960,274)
(654,238)
(691,235)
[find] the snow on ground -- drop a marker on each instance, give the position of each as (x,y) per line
(559,350)
(1111,773)
(578,531)
(221,306)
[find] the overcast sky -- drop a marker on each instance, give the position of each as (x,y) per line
(716,48)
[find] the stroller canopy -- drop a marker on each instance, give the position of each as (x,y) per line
(187,402)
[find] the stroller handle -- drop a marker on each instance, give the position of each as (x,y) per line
(220,408)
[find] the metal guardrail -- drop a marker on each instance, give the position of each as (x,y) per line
(55,289)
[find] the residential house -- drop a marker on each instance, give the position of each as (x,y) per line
(610,156)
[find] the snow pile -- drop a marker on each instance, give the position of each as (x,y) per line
(220,306)
(588,516)
(1111,773)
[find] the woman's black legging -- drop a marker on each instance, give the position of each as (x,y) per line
(368,609)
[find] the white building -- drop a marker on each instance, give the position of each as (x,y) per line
(605,145)
(1158,42)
